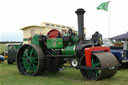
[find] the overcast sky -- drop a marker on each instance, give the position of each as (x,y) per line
(16,14)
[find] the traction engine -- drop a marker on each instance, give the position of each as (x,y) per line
(49,53)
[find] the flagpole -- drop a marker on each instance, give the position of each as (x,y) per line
(104,6)
(109,20)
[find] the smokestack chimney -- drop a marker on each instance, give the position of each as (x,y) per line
(80,16)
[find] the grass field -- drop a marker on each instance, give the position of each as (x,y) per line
(9,75)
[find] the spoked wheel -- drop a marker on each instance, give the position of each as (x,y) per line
(105,63)
(91,74)
(30,60)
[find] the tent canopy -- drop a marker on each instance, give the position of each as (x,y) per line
(120,37)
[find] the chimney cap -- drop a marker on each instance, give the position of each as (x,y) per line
(80,11)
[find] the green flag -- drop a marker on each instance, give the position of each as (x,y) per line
(103,6)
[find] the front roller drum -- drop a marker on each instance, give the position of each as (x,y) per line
(30,60)
(105,65)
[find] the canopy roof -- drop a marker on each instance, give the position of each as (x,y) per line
(120,37)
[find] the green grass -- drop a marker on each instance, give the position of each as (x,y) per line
(9,75)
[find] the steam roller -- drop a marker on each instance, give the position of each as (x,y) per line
(49,53)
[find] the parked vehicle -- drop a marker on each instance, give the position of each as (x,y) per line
(2,58)
(11,51)
(120,52)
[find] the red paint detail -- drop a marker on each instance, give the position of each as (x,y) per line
(88,52)
(53,33)
(59,43)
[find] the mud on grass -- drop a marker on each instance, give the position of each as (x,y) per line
(9,75)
